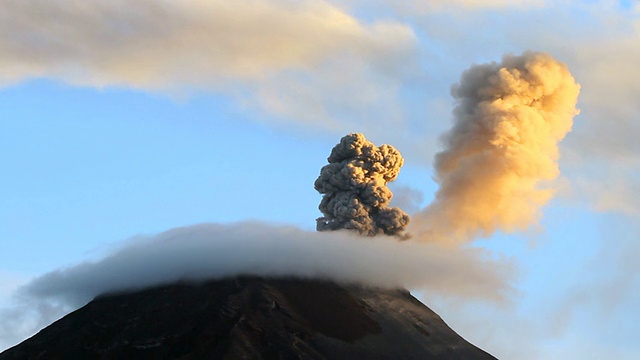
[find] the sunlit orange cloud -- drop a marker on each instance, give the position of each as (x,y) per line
(502,148)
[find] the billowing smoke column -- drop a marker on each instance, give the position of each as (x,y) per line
(354,184)
(502,148)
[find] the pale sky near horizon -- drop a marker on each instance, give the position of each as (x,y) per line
(120,119)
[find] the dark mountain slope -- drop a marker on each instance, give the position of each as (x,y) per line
(250,318)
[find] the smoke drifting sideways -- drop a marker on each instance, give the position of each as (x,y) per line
(502,151)
(354,184)
(212,251)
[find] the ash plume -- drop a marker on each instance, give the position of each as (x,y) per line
(503,147)
(354,185)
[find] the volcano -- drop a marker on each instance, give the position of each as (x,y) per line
(250,318)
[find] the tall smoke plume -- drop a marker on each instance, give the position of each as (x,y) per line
(502,149)
(354,184)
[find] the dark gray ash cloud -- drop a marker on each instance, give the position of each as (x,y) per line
(354,185)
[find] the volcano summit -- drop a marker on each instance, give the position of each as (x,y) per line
(250,318)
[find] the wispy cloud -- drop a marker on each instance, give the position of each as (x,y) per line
(290,58)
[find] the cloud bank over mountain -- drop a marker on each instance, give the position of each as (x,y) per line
(210,251)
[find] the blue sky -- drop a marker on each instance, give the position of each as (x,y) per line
(119,120)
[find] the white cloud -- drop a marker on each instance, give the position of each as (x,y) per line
(10,282)
(151,44)
(423,7)
(303,61)
(210,251)
(618,193)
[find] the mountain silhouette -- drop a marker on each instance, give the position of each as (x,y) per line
(250,318)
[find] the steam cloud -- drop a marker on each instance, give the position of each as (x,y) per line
(508,121)
(354,184)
